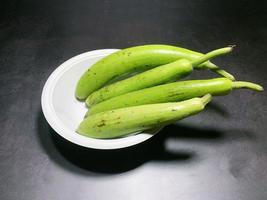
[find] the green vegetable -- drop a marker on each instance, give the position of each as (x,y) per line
(152,77)
(134,59)
(120,122)
(172,92)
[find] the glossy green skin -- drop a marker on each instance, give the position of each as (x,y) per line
(129,60)
(150,78)
(171,92)
(120,122)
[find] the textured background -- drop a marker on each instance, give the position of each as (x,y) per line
(219,154)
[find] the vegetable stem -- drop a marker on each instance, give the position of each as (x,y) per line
(223,73)
(247,85)
(206,99)
(210,55)
(196,63)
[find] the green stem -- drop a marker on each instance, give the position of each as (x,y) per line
(247,85)
(196,63)
(210,55)
(221,72)
(206,99)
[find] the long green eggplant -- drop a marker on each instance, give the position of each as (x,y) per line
(173,92)
(134,59)
(120,122)
(156,76)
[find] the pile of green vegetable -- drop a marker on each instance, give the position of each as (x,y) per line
(151,97)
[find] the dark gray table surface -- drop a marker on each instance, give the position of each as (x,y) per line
(219,154)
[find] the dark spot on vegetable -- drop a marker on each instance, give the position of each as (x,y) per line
(175,94)
(101,123)
(172,95)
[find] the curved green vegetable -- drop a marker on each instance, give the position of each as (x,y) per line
(120,122)
(171,92)
(134,59)
(152,77)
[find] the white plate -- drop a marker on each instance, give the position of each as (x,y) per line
(64,112)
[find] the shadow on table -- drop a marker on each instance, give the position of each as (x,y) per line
(85,160)
(120,160)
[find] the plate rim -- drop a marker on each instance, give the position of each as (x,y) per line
(54,122)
